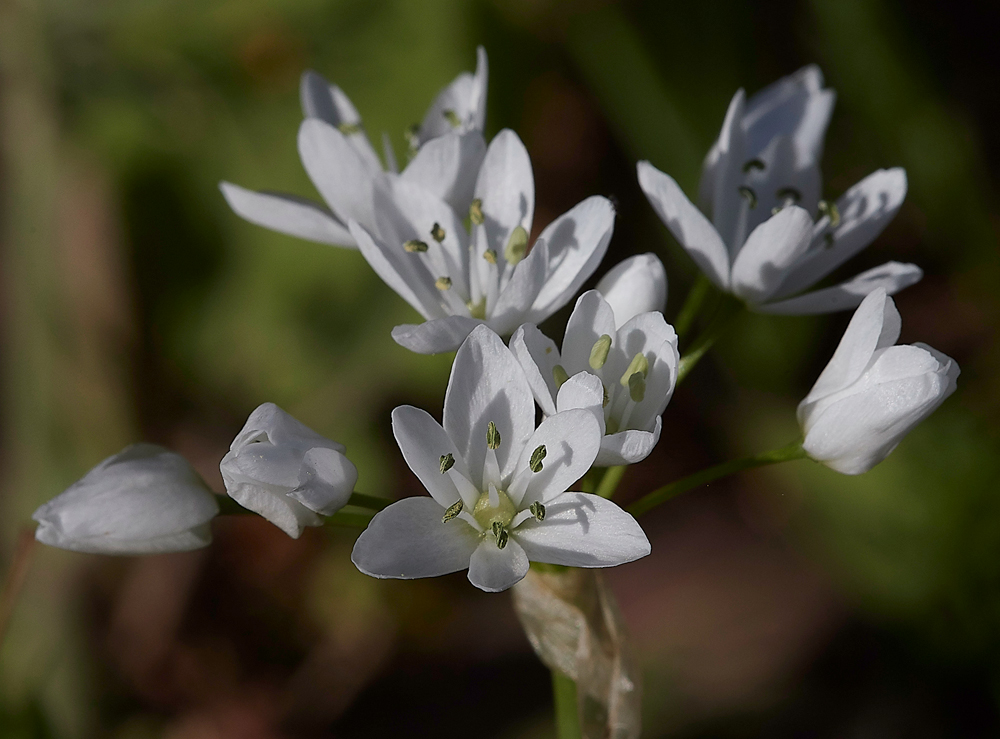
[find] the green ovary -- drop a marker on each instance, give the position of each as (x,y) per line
(487,514)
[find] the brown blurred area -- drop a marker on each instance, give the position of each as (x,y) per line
(135,306)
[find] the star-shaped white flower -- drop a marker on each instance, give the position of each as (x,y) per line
(766,162)
(635,367)
(497,484)
(872,393)
(344,167)
(457,280)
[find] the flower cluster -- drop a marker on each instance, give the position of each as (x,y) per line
(451,234)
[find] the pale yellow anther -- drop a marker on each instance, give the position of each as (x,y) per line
(517,245)
(415,245)
(452,117)
(490,256)
(637,387)
(599,352)
(560,375)
(476,212)
(437,233)
(443,283)
(639,364)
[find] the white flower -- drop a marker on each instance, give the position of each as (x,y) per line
(344,167)
(457,280)
(286,472)
(766,161)
(872,393)
(635,367)
(635,285)
(143,500)
(497,484)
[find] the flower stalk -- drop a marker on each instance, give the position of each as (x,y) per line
(672,490)
(567,714)
(720,322)
(692,304)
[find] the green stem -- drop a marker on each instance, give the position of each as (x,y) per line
(567,714)
(667,492)
(720,322)
(229,507)
(692,304)
(609,482)
(376,503)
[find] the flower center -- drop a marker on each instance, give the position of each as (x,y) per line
(488,514)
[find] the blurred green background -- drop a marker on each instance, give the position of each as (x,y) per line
(787,602)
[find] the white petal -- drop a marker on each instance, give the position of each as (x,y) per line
(517,296)
(287,214)
(891,277)
(865,210)
(571,440)
(480,85)
(582,390)
(281,428)
(770,250)
(694,232)
(578,241)
(506,186)
(628,447)
(493,569)
(538,355)
(408,278)
(875,325)
(408,540)
(268,500)
(726,200)
(423,442)
(142,500)
(782,177)
(435,336)
(339,172)
(328,103)
(583,530)
(591,318)
(635,285)
(389,153)
(487,384)
(447,166)
(326,481)
(465,97)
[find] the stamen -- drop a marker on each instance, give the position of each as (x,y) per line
(476,212)
(535,464)
(452,117)
(831,211)
(639,365)
(560,375)
(517,245)
(447,462)
(412,136)
(452,512)
(492,436)
(788,193)
(500,532)
(349,129)
(604,403)
(828,239)
(437,233)
(753,164)
(414,245)
(750,195)
(537,510)
(443,283)
(477,310)
(599,352)
(490,255)
(637,387)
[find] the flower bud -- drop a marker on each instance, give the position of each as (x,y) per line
(143,500)
(872,393)
(633,286)
(286,472)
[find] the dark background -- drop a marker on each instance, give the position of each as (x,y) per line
(785,602)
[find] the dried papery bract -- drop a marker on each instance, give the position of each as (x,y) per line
(573,623)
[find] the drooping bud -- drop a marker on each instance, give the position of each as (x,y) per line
(639,364)
(560,375)
(500,532)
(349,129)
(452,512)
(537,510)
(447,462)
(490,255)
(415,245)
(492,436)
(637,387)
(830,209)
(517,245)
(535,464)
(599,352)
(443,283)
(476,212)
(749,194)
(437,233)
(452,117)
